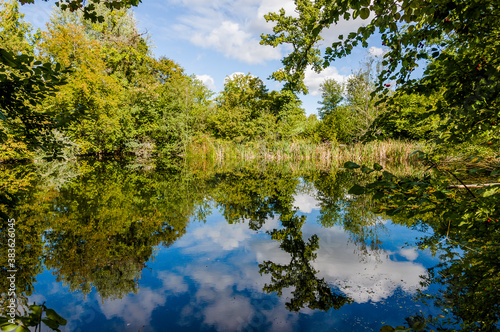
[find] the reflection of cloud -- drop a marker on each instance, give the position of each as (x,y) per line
(409,254)
(229,313)
(228,287)
(223,235)
(306,203)
(173,282)
(373,279)
(135,310)
(220,277)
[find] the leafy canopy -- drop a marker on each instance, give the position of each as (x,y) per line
(457,41)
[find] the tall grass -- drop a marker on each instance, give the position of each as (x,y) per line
(323,155)
(208,155)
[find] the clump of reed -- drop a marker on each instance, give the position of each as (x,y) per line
(387,151)
(323,155)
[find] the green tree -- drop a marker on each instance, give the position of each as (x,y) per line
(406,116)
(332,94)
(25,82)
(457,42)
(242,111)
(348,110)
(290,116)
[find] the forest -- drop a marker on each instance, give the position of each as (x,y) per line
(87,87)
(90,86)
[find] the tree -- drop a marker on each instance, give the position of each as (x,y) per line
(242,109)
(456,40)
(457,43)
(290,117)
(332,95)
(348,109)
(88,8)
(26,82)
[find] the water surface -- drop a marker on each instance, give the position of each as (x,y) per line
(110,247)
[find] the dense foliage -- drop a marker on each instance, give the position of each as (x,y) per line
(90,81)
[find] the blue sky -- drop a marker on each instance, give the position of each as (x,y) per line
(215,38)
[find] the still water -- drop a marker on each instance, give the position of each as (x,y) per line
(115,248)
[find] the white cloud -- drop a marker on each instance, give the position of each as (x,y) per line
(377,51)
(373,278)
(362,274)
(232,28)
(409,254)
(208,81)
(343,27)
(173,282)
(216,237)
(235,42)
(313,80)
(231,76)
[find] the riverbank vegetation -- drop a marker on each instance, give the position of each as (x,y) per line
(111,96)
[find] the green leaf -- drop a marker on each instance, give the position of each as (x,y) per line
(22,329)
(401,329)
(377,167)
(9,327)
(490,192)
(55,316)
(388,175)
(387,328)
(419,326)
(439,195)
(378,195)
(366,170)
(357,190)
(50,323)
(364,13)
(351,165)
(36,309)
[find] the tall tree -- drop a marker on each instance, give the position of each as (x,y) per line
(331,96)
(456,41)
(25,82)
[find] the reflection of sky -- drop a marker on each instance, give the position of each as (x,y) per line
(209,280)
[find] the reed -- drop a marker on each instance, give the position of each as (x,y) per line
(210,156)
(323,154)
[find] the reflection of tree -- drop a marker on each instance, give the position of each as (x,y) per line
(354,214)
(16,183)
(100,228)
(256,197)
(106,223)
(253,196)
(465,235)
(309,291)
(469,275)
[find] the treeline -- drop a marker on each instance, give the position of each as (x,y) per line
(111,95)
(86,87)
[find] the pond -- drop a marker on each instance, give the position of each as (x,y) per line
(249,248)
